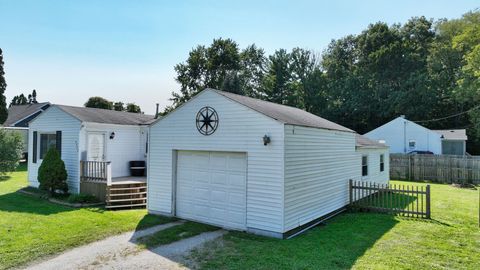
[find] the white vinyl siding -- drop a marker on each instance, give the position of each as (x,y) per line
(402,135)
(374,173)
(50,121)
(318,165)
(240,129)
(128,144)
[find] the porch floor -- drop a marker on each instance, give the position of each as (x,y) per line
(129,180)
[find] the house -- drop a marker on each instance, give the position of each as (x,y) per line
(96,145)
(251,165)
(405,136)
(454,141)
(18,118)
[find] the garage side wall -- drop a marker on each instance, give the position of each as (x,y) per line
(318,165)
(374,173)
(50,121)
(240,129)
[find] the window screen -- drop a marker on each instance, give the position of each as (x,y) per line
(46,142)
(364,165)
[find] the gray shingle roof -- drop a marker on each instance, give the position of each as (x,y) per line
(103,116)
(453,134)
(282,113)
(17,113)
(364,142)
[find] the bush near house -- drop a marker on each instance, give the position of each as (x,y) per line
(11,146)
(52,175)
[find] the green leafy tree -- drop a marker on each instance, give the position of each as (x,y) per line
(223,66)
(99,102)
(3,87)
(277,85)
(11,147)
(23,100)
(133,108)
(19,100)
(119,106)
(52,175)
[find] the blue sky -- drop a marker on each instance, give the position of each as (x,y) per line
(126,50)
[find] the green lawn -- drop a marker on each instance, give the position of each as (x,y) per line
(31,228)
(451,240)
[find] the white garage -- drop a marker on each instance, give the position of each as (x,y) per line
(251,165)
(211,187)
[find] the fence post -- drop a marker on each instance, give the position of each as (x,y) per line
(427,201)
(350,190)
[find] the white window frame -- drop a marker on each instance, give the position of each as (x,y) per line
(366,165)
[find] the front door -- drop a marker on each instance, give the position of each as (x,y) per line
(96,147)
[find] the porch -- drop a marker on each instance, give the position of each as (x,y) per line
(117,192)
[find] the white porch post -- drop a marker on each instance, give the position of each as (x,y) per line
(109,173)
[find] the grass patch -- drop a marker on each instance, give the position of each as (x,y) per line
(175,233)
(451,240)
(31,228)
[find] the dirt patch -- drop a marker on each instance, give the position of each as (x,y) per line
(465,186)
(203,253)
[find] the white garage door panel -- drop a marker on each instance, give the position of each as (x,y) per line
(211,188)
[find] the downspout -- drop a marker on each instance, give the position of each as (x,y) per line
(404,137)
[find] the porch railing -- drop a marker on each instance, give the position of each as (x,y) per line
(96,171)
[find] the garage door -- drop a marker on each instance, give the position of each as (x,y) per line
(211,188)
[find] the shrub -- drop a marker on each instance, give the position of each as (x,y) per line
(11,147)
(82,198)
(52,174)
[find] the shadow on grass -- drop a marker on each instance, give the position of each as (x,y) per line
(336,245)
(4,177)
(22,203)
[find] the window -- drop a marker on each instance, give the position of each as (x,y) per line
(47,141)
(382,162)
(364,165)
(411,144)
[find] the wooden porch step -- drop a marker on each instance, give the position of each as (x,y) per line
(127,194)
(127,200)
(129,188)
(126,205)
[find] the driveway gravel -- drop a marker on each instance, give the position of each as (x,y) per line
(121,252)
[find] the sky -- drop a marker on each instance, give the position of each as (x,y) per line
(126,50)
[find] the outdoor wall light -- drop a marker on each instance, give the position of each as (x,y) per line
(112,135)
(266,140)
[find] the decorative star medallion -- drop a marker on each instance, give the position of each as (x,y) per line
(207,121)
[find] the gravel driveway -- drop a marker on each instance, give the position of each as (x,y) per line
(121,252)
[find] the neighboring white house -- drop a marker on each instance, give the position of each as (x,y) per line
(404,136)
(454,141)
(19,116)
(87,134)
(246,164)
(375,160)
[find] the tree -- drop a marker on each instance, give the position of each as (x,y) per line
(118,106)
(221,66)
(52,175)
(276,86)
(133,108)
(22,100)
(99,102)
(3,87)
(11,147)
(19,100)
